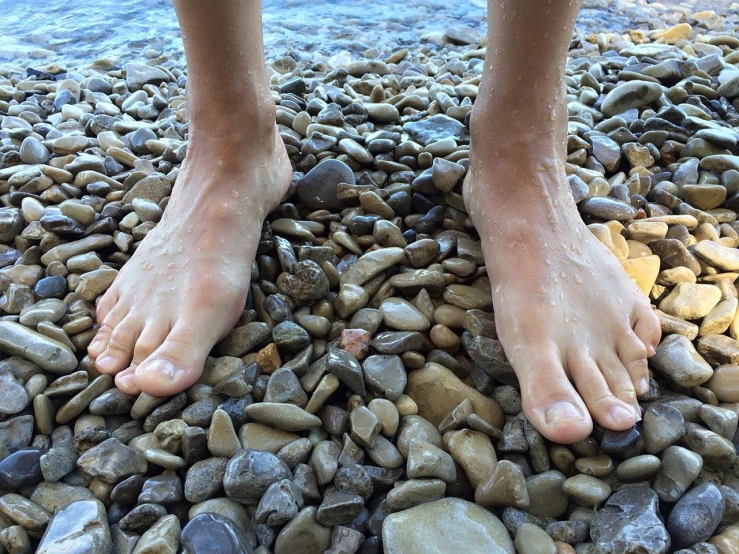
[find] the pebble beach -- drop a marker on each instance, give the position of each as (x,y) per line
(362,404)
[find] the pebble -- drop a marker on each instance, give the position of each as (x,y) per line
(696,515)
(505,486)
(531,539)
(161,538)
(207,529)
(250,473)
(628,522)
(421,529)
(17,340)
(81,526)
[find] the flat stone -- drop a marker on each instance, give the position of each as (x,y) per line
(303,534)
(505,486)
(629,95)
(696,515)
(250,473)
(161,538)
(285,417)
(317,189)
(677,358)
(629,523)
(717,255)
(679,469)
(531,539)
(424,529)
(111,461)
(436,128)
(437,391)
(371,264)
(53,356)
(725,383)
(79,527)
(208,529)
(690,300)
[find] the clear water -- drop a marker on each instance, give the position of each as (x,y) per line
(76,32)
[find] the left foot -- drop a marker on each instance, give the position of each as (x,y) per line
(564,307)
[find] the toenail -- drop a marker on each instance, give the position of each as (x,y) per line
(105,363)
(562,411)
(619,414)
(125,381)
(644,385)
(164,367)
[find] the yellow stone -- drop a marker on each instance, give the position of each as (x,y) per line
(675,34)
(643,271)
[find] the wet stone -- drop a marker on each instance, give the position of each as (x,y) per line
(696,515)
(206,529)
(78,527)
(628,522)
(249,474)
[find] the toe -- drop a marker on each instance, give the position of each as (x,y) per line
(619,380)
(647,327)
(176,364)
(118,354)
(633,356)
(549,400)
(107,325)
(106,304)
(151,338)
(100,342)
(125,381)
(604,407)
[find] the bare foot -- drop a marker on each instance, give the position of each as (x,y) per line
(186,284)
(566,312)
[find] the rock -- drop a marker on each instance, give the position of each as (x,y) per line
(110,461)
(371,264)
(437,391)
(607,208)
(547,499)
(285,417)
(436,128)
(426,460)
(505,486)
(307,283)
(53,356)
(402,315)
(677,358)
(531,539)
(208,529)
(303,534)
(725,383)
(414,492)
(663,426)
(345,366)
(139,74)
(586,490)
(679,469)
(423,529)
(386,375)
(204,479)
(717,255)
(21,469)
(690,300)
(629,523)
(317,189)
(81,526)
(162,538)
(280,503)
(462,34)
(629,95)
(249,474)
(643,271)
(696,515)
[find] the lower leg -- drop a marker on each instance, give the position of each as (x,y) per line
(565,309)
(187,282)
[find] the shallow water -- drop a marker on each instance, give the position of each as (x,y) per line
(76,32)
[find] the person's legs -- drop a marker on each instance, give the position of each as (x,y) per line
(187,283)
(565,309)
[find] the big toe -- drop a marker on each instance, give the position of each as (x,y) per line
(550,402)
(175,365)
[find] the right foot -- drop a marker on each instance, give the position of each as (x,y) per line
(187,283)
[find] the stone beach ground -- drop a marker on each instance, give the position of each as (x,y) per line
(362,404)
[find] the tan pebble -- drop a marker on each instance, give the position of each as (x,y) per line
(719,318)
(268,359)
(406,405)
(643,271)
(444,338)
(473,451)
(725,383)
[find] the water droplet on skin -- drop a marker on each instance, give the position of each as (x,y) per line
(235,194)
(497,289)
(171,265)
(189,229)
(552,303)
(180,250)
(578,280)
